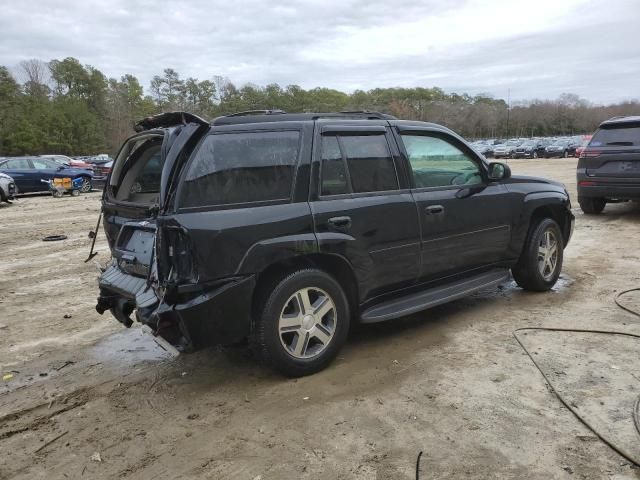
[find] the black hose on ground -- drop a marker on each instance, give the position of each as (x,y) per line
(627,309)
(635,413)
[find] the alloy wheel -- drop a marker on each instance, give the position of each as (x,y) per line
(307,323)
(548,254)
(86,185)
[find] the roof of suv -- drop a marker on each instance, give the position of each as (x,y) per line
(620,121)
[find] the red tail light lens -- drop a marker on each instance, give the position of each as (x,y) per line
(586,153)
(587,183)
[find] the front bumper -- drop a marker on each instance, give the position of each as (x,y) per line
(217,315)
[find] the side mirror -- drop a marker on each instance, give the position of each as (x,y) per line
(499,171)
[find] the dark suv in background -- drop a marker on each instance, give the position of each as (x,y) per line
(286,228)
(609,166)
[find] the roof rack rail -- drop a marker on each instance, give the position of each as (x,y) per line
(256,112)
(368,114)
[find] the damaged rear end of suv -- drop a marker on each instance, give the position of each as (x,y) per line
(151,273)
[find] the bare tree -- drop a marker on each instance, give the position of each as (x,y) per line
(35,76)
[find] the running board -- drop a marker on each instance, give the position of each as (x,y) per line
(434,296)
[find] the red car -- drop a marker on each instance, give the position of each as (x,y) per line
(585,141)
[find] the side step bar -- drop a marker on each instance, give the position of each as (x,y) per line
(435,296)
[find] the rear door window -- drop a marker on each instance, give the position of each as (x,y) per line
(243,167)
(621,136)
(16,164)
(371,167)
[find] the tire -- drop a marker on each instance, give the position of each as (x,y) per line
(592,206)
(535,154)
(565,154)
(277,338)
(86,185)
(528,273)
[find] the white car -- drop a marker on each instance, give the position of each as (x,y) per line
(8,188)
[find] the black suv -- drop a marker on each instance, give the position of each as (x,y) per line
(609,166)
(284,229)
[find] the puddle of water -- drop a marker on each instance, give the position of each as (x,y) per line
(127,348)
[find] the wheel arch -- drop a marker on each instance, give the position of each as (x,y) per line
(336,266)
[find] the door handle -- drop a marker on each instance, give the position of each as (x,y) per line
(340,223)
(434,210)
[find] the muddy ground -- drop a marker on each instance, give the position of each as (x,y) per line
(89,399)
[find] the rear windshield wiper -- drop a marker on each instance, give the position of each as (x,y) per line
(625,144)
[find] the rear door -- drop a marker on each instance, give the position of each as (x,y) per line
(465,219)
(21,171)
(614,152)
(362,208)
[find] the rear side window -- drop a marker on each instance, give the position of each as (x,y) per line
(16,163)
(356,164)
(621,136)
(244,167)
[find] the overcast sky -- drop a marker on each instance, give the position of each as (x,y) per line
(536,48)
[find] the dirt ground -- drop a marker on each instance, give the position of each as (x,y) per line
(82,397)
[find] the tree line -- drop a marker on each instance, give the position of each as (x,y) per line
(65,107)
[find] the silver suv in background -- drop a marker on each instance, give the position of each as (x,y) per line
(7,188)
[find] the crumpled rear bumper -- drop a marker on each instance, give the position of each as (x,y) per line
(207,316)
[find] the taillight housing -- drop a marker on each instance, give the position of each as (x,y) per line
(588,153)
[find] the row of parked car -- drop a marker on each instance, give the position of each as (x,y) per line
(29,174)
(561,147)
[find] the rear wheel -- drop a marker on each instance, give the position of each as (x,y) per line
(592,206)
(540,264)
(302,321)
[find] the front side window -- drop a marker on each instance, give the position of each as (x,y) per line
(42,163)
(437,163)
(244,167)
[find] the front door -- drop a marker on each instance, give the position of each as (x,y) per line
(465,219)
(362,208)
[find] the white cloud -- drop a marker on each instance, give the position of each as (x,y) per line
(536,48)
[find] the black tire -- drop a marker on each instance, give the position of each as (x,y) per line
(272,300)
(592,206)
(535,154)
(526,272)
(86,185)
(565,154)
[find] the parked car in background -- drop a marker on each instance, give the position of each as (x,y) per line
(28,173)
(72,162)
(284,229)
(585,141)
(530,149)
(483,148)
(561,148)
(507,149)
(7,188)
(609,167)
(100,173)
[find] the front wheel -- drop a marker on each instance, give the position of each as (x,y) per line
(540,263)
(86,186)
(592,206)
(302,321)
